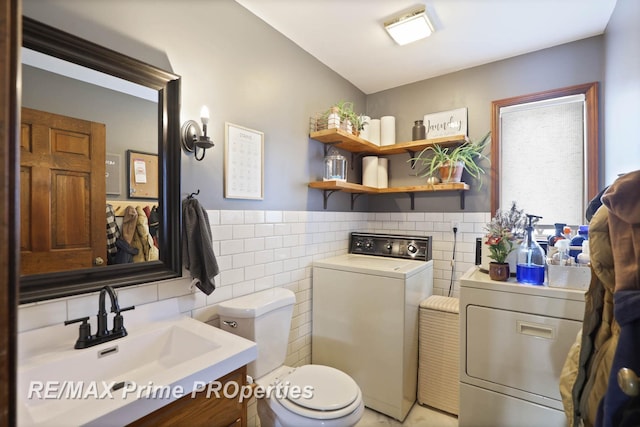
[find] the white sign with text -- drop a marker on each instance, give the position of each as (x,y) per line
(446,123)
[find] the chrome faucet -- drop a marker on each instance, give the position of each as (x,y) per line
(103,334)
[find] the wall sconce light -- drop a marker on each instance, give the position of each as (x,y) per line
(410,27)
(192,137)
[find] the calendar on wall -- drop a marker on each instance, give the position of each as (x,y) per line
(243,163)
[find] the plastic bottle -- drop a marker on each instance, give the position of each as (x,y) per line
(583,234)
(584,258)
(531,258)
(562,257)
(558,234)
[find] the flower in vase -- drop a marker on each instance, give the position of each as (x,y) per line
(505,232)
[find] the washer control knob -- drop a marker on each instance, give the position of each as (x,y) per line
(389,246)
(368,245)
(412,249)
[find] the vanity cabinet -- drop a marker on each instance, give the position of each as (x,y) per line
(349,142)
(202,410)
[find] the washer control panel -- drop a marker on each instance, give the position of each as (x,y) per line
(391,245)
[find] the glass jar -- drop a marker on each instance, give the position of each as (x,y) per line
(333,121)
(335,166)
(419,131)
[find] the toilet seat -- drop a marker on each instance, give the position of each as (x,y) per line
(335,394)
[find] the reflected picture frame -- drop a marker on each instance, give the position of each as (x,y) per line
(142,175)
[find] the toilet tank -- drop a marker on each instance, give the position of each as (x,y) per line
(264,318)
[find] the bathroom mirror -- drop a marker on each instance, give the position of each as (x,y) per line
(163,88)
(544,154)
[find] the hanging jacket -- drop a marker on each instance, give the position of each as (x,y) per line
(623,201)
(142,239)
(585,375)
(588,382)
(113,233)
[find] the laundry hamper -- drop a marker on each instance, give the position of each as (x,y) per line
(439,353)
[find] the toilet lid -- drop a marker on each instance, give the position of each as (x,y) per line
(333,390)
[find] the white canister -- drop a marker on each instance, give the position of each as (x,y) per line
(374,131)
(383,172)
(370,171)
(387,130)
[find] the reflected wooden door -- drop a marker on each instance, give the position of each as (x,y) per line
(62,193)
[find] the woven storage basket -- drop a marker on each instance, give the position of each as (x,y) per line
(439,353)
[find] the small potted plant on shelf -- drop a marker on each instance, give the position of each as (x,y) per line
(505,232)
(450,162)
(349,120)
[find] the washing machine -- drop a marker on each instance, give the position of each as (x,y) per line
(365,315)
(514,340)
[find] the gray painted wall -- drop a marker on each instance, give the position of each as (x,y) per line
(243,70)
(475,88)
(622,90)
(250,75)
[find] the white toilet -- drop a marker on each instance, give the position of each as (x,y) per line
(335,399)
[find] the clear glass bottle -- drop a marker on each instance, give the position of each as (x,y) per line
(530,266)
(335,166)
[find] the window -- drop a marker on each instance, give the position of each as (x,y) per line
(545,153)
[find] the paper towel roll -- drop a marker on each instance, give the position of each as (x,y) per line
(387,130)
(383,173)
(370,171)
(364,133)
(374,131)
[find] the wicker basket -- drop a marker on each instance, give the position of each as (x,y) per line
(438,362)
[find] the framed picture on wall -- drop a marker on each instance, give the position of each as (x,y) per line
(113,173)
(243,163)
(142,175)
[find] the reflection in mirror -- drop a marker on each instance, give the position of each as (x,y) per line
(61,225)
(97,127)
(544,155)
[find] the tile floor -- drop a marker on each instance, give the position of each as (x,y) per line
(419,416)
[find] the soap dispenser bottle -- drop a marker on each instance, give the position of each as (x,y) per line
(531,258)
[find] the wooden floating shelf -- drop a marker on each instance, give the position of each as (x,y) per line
(355,144)
(329,187)
(349,142)
(349,187)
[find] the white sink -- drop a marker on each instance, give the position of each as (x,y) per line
(120,381)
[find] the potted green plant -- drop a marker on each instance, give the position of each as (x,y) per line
(505,232)
(350,121)
(450,162)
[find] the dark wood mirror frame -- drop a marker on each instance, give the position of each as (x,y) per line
(590,91)
(53,42)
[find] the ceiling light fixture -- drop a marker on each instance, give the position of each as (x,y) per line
(410,27)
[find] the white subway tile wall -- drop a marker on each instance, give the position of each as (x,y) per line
(258,250)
